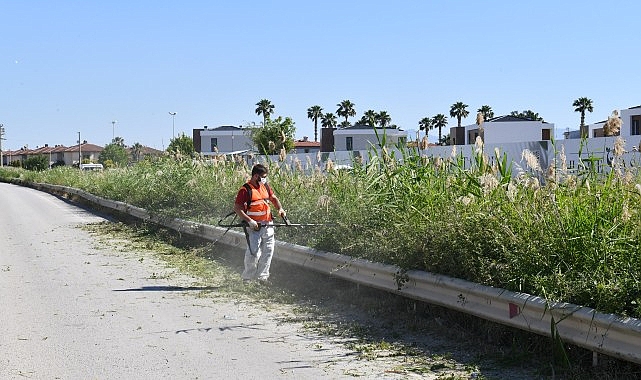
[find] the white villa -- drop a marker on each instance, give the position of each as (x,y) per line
(224,139)
(503,129)
(364,137)
(631,124)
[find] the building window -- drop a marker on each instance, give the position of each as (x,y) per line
(214,144)
(545,134)
(349,143)
(636,130)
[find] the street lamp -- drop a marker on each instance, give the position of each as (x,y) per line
(173,121)
(113,130)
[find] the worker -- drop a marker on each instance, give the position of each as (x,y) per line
(252,205)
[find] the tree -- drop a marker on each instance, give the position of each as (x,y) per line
(439,121)
(118,141)
(346,109)
(36,163)
(445,140)
(182,144)
(459,111)
(425,125)
(383,119)
(315,113)
(487,112)
(328,120)
(265,108)
(115,153)
(274,135)
(136,151)
(582,105)
(527,114)
(369,118)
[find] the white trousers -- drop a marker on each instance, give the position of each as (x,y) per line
(258,255)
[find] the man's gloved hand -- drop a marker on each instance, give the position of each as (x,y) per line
(254,225)
(282,213)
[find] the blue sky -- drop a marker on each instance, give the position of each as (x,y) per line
(70,66)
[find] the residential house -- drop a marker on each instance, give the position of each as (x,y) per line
(631,118)
(306,146)
(136,155)
(363,137)
(58,155)
(88,152)
(503,129)
(630,126)
(224,139)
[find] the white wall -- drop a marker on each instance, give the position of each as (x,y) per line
(599,148)
(514,131)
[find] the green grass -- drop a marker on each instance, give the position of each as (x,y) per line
(571,236)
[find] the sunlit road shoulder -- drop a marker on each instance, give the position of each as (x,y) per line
(71,311)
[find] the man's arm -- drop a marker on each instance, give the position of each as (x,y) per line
(276,202)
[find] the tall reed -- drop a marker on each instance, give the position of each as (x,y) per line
(572,236)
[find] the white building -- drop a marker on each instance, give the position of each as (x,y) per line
(631,121)
(631,124)
(503,129)
(364,137)
(224,139)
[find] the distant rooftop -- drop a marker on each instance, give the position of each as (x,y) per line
(224,128)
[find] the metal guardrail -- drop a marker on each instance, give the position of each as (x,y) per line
(608,334)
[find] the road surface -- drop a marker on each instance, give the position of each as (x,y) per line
(72,310)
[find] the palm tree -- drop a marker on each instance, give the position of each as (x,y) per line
(136,151)
(440,121)
(527,114)
(315,113)
(582,105)
(459,111)
(487,112)
(118,141)
(346,109)
(265,108)
(383,119)
(425,125)
(369,118)
(328,120)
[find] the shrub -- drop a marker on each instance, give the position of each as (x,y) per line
(36,163)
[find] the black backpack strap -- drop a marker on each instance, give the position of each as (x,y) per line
(249,194)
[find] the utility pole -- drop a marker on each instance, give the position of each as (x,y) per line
(79,151)
(1,138)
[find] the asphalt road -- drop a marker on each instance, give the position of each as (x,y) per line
(72,310)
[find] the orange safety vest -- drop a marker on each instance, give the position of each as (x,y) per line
(258,207)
